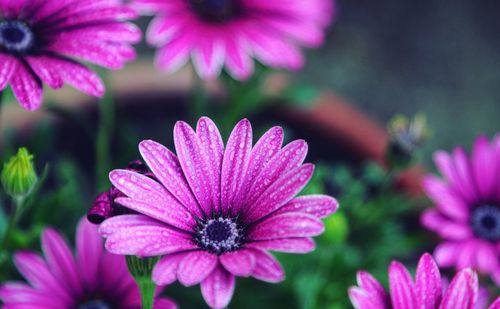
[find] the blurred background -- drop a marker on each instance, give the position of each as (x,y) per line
(381,58)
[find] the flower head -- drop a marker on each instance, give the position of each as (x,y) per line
(92,279)
(40,39)
(217,33)
(467,213)
(425,292)
(18,174)
(214,211)
(104,205)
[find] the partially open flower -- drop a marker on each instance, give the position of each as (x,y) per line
(19,175)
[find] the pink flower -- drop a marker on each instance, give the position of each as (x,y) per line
(214,213)
(39,40)
(92,279)
(426,292)
(467,213)
(217,33)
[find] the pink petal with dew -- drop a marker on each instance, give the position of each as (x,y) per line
(113,32)
(175,53)
(167,169)
(495,304)
(290,157)
(195,267)
(446,199)
(148,241)
(46,72)
(239,263)
(89,248)
(17,295)
(34,269)
(484,167)
(401,287)
(290,245)
(280,192)
(118,223)
(462,291)
(433,220)
(372,287)
(428,285)
(238,61)
(235,163)
(9,65)
(287,225)
(218,288)
(194,163)
(446,253)
(27,88)
(208,53)
(265,148)
(165,271)
(61,261)
(267,268)
(360,299)
(211,140)
(150,198)
(464,172)
(318,205)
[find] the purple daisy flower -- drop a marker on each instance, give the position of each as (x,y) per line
(215,212)
(426,292)
(93,279)
(217,33)
(467,213)
(40,38)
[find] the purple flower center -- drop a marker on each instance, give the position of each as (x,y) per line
(219,235)
(215,10)
(94,304)
(16,36)
(485,222)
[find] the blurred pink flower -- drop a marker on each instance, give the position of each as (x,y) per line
(92,279)
(214,213)
(38,37)
(467,213)
(426,292)
(217,33)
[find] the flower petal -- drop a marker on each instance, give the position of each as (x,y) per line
(89,247)
(9,65)
(462,291)
(317,205)
(235,163)
(195,267)
(267,268)
(239,263)
(167,169)
(447,201)
(428,285)
(290,245)
(373,289)
(218,288)
(434,221)
(401,287)
(446,253)
(27,88)
(484,166)
(287,225)
(117,223)
(60,260)
(165,271)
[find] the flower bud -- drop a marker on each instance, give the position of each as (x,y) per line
(19,175)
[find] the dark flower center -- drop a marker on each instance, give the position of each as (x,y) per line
(16,36)
(219,235)
(215,10)
(485,222)
(94,304)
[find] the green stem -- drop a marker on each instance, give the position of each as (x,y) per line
(13,218)
(104,139)
(141,269)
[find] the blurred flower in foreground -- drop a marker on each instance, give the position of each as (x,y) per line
(19,175)
(95,279)
(406,136)
(426,292)
(38,36)
(467,213)
(230,32)
(104,205)
(214,213)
